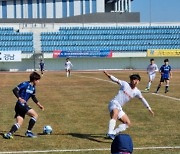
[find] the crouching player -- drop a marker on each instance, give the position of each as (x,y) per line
(23,92)
(126,93)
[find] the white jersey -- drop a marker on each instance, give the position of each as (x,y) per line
(126,93)
(68,65)
(152,69)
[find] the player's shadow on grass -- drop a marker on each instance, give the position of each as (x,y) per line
(2,133)
(92,137)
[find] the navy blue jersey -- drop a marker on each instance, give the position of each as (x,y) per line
(41,64)
(26,90)
(165,71)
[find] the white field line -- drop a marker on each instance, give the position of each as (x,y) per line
(86,150)
(173,98)
(177,99)
(95,78)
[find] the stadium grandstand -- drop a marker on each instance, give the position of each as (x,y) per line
(32,9)
(96,35)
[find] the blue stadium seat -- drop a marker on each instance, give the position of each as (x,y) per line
(12,40)
(121,38)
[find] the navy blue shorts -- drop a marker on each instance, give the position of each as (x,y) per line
(21,109)
(163,79)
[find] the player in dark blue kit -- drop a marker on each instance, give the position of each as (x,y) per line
(41,65)
(23,92)
(166,74)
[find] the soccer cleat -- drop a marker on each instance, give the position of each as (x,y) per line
(30,134)
(110,136)
(147,89)
(8,136)
(166,91)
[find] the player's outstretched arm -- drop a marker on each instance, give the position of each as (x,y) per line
(114,79)
(147,105)
(107,74)
(151,111)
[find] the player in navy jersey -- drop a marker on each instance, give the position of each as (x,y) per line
(41,65)
(166,74)
(23,92)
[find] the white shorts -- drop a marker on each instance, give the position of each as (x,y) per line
(68,69)
(152,76)
(115,105)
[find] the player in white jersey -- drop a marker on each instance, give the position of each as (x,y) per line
(126,93)
(151,71)
(68,66)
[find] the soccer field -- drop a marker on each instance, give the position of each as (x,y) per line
(76,108)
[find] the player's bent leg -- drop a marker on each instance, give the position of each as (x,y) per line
(159,86)
(112,123)
(114,114)
(14,128)
(125,119)
(32,113)
(121,128)
(19,120)
(32,122)
(167,86)
(125,125)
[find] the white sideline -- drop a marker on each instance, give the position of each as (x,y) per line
(85,150)
(177,99)
(94,78)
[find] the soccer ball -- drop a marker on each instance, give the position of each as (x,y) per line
(47,130)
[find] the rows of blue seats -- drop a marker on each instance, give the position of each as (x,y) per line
(58,36)
(121,27)
(16,43)
(7,29)
(11,40)
(24,49)
(118,32)
(130,38)
(106,43)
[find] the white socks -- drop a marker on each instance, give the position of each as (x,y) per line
(67,74)
(112,124)
(149,85)
(121,128)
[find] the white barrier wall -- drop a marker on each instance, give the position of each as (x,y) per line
(89,63)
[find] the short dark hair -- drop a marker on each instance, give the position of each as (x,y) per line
(166,60)
(34,76)
(135,77)
(152,59)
